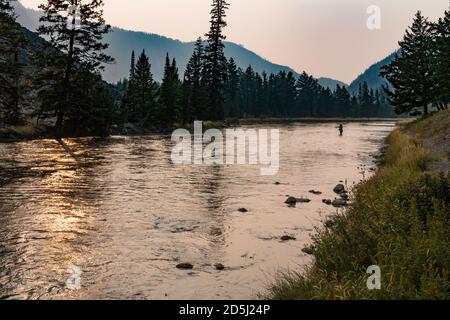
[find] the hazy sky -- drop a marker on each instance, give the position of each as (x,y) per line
(324,37)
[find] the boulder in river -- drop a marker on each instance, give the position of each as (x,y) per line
(340,188)
(317,193)
(243,210)
(293,200)
(185,266)
(344,196)
(338,203)
(327,201)
(219,266)
(288,238)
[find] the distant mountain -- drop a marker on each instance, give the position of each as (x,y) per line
(372,75)
(123,41)
(331,83)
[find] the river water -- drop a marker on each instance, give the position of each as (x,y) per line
(121,215)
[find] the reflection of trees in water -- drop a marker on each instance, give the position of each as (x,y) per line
(212,191)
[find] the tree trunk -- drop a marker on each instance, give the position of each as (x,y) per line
(425,109)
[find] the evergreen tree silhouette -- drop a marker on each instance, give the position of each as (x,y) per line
(442,60)
(411,72)
(169,95)
(215,63)
(144,92)
(75,29)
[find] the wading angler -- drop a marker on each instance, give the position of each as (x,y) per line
(259,147)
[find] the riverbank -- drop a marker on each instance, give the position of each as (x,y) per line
(251,121)
(399,220)
(32,131)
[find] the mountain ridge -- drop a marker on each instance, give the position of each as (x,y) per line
(122,41)
(372,75)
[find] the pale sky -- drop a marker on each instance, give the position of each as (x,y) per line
(324,37)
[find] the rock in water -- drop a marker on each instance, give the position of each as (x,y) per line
(292,200)
(340,188)
(288,238)
(344,196)
(185,266)
(308,250)
(339,203)
(243,210)
(327,201)
(317,193)
(219,266)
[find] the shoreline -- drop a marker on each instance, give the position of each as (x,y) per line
(29,131)
(403,200)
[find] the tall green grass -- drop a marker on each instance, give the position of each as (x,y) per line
(399,220)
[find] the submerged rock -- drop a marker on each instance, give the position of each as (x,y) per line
(344,196)
(293,200)
(317,193)
(185,266)
(308,250)
(219,266)
(288,238)
(338,203)
(340,188)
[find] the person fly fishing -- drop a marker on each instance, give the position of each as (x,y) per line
(341,129)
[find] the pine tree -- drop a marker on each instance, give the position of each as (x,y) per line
(194,94)
(169,95)
(144,92)
(231,90)
(247,92)
(343,102)
(290,92)
(132,66)
(129,99)
(308,93)
(442,60)
(11,68)
(75,28)
(411,72)
(215,63)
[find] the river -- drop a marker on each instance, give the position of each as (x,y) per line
(121,214)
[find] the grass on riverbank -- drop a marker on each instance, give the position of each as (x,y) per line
(399,220)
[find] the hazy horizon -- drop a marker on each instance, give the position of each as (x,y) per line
(326,38)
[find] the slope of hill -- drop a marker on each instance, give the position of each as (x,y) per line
(331,83)
(123,41)
(372,75)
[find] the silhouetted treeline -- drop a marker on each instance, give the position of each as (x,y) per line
(246,94)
